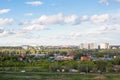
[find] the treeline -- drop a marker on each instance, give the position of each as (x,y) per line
(44,65)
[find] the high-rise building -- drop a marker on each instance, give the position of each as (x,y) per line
(104,46)
(88,46)
(93,46)
(83,46)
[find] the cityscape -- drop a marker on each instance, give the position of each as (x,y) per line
(59,40)
(81,46)
(85,59)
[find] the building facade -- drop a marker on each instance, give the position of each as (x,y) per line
(88,46)
(104,46)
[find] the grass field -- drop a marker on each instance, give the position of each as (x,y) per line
(56,76)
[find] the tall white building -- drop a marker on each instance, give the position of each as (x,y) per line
(88,46)
(93,46)
(83,46)
(104,46)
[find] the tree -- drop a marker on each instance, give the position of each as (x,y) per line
(101,65)
(86,66)
(116,61)
(54,66)
(78,56)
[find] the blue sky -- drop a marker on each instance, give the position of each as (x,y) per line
(59,22)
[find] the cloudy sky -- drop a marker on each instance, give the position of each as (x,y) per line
(59,22)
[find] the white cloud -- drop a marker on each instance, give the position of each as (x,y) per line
(3,11)
(3,34)
(29,14)
(6,33)
(109,28)
(34,27)
(13,33)
(4,21)
(70,19)
(84,18)
(102,30)
(117,0)
(104,2)
(34,3)
(99,18)
(48,20)
(52,20)
(44,21)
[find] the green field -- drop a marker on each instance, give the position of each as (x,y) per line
(56,76)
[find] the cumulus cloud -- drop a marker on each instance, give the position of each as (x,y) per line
(99,18)
(34,3)
(110,28)
(70,19)
(13,33)
(110,24)
(84,18)
(6,33)
(4,11)
(52,19)
(5,21)
(34,27)
(99,31)
(48,20)
(102,30)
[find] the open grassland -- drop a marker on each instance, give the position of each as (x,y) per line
(57,76)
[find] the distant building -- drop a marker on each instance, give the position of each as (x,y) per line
(25,47)
(10,47)
(114,46)
(93,46)
(104,46)
(88,46)
(83,46)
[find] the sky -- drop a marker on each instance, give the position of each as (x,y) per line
(59,22)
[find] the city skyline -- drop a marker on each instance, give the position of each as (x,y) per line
(59,22)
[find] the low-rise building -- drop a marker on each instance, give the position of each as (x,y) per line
(114,46)
(63,58)
(83,58)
